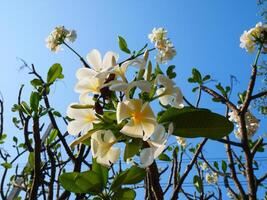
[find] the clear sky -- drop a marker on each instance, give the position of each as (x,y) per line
(205,33)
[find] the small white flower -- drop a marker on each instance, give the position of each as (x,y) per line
(166,50)
(256,35)
(212,178)
(204,166)
(142,121)
(169,94)
(157,34)
(181,141)
(83,119)
(252,124)
(102,142)
(58,36)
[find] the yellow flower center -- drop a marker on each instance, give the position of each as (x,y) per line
(137,117)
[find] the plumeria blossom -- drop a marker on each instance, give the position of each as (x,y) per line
(181,141)
(102,142)
(168,93)
(83,119)
(249,39)
(142,121)
(252,124)
(166,50)
(99,67)
(211,178)
(58,36)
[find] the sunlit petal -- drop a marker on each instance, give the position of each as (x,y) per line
(94,59)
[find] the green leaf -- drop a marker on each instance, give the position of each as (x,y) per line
(207,77)
(224,166)
(170,72)
(124,194)
(216,165)
(7,165)
(123,45)
(191,123)
(31,160)
(196,76)
(164,157)
(84,182)
(132,147)
(102,172)
(34,101)
(130,176)
(36,82)
(54,73)
(52,136)
(25,108)
(198,183)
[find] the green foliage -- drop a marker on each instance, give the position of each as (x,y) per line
(123,45)
(197,77)
(54,73)
(190,123)
(130,176)
(124,194)
(170,72)
(132,148)
(91,182)
(34,101)
(224,166)
(6,165)
(198,183)
(164,157)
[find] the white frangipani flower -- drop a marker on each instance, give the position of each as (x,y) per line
(83,119)
(166,50)
(142,121)
(252,124)
(102,142)
(181,141)
(157,34)
(58,36)
(211,178)
(169,94)
(99,67)
(249,39)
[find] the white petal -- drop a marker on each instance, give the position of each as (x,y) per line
(94,59)
(143,85)
(109,137)
(87,100)
(76,126)
(148,127)
(113,154)
(85,73)
(166,100)
(123,112)
(146,157)
(159,136)
(107,61)
(132,130)
(159,150)
(119,86)
(147,111)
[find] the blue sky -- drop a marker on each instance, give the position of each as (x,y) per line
(205,34)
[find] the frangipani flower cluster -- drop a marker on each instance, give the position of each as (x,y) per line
(115,107)
(252,124)
(58,36)
(212,178)
(166,50)
(253,37)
